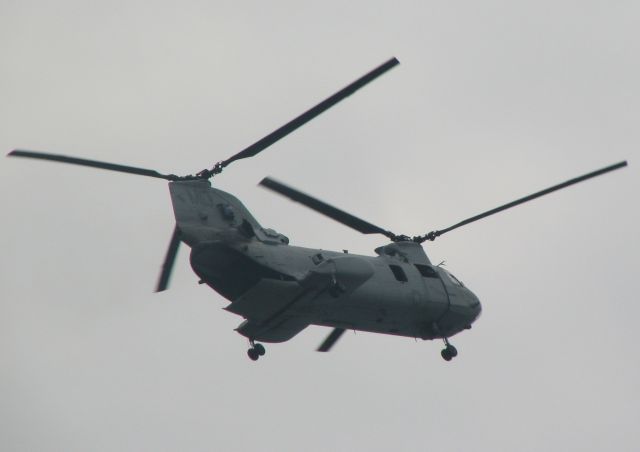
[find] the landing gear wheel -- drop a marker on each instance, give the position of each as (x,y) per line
(260,349)
(253,354)
(449,352)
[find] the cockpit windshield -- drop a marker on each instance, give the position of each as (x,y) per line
(452,278)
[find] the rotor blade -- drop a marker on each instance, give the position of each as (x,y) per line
(434,234)
(167,265)
(311,113)
(91,163)
(339,215)
(331,339)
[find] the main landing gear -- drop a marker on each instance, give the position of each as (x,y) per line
(256,351)
(449,351)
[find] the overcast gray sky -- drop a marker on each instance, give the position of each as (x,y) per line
(493,100)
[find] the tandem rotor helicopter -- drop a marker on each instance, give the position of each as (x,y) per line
(280,289)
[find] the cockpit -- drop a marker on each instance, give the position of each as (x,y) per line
(465,295)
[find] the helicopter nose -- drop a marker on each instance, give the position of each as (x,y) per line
(474,304)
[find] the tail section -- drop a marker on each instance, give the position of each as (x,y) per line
(204,213)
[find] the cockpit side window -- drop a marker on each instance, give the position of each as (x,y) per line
(399,273)
(426,270)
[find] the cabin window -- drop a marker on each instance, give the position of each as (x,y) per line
(398,272)
(426,270)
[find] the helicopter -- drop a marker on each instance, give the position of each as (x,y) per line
(280,289)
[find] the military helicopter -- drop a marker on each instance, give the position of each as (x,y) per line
(280,289)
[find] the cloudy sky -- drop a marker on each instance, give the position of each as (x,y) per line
(493,100)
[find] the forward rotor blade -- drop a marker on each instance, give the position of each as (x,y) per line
(91,163)
(331,339)
(434,234)
(307,116)
(167,265)
(332,212)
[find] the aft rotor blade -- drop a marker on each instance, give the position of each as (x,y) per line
(331,339)
(434,234)
(167,266)
(91,163)
(332,212)
(308,115)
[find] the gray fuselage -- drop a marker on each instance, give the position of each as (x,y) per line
(280,289)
